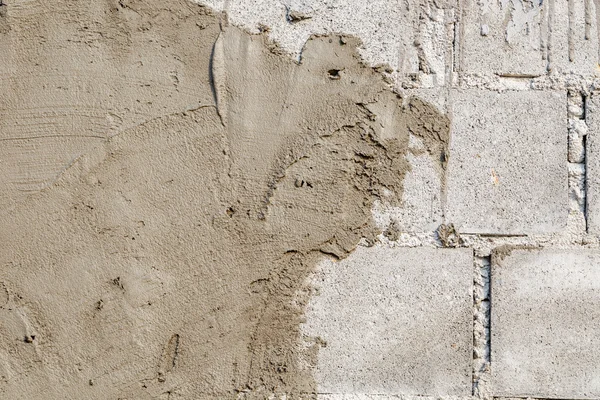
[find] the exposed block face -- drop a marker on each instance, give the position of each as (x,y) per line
(545,323)
(574,38)
(517,38)
(507,171)
(503,38)
(395,322)
(592,119)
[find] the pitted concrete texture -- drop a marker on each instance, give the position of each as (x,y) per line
(592,120)
(545,331)
(503,37)
(507,170)
(413,38)
(528,38)
(394,321)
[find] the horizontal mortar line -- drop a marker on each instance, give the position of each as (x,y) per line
(501,235)
(519,76)
(52,136)
(522,396)
(423,396)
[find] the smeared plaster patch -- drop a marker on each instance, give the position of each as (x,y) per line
(172,257)
(410,38)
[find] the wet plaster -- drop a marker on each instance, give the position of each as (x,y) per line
(169,183)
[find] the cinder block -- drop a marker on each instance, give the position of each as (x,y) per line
(507,169)
(503,38)
(573,39)
(592,120)
(517,38)
(545,327)
(394,321)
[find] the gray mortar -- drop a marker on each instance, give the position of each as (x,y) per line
(481,327)
(574,236)
(575,80)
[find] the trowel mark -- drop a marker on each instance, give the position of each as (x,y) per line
(4,26)
(217,73)
(168,358)
(4,295)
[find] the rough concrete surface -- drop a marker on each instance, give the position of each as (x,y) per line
(528,38)
(545,332)
(207,200)
(592,120)
(394,321)
(507,166)
(411,38)
(504,37)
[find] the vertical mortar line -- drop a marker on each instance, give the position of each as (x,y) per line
(481,326)
(585,158)
(450,26)
(588,19)
(400,70)
(423,67)
(571,30)
(597,6)
(544,33)
(458,34)
(576,152)
(550,22)
(454,52)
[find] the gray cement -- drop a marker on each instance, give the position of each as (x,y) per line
(400,320)
(507,165)
(592,120)
(503,38)
(170,185)
(545,332)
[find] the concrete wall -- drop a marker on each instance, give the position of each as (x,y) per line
(256,199)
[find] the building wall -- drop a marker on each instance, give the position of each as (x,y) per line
(299,199)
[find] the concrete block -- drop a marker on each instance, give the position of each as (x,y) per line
(545,335)
(592,120)
(291,22)
(394,321)
(522,38)
(504,38)
(573,39)
(421,209)
(507,171)
(414,38)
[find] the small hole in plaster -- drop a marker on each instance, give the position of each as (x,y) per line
(335,74)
